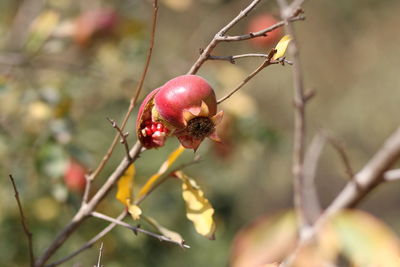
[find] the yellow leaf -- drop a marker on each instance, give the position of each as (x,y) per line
(282,46)
(125,184)
(164,167)
(165,231)
(134,211)
(198,208)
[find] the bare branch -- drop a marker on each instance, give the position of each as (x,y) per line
(392,175)
(221,37)
(24,223)
(339,147)
(123,136)
(259,33)
(312,156)
(85,210)
(136,229)
(136,96)
(86,193)
(100,254)
(368,178)
(299,121)
(266,63)
(210,47)
(90,243)
(232,59)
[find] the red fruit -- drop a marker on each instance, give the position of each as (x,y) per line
(185,106)
(95,22)
(262,22)
(74,176)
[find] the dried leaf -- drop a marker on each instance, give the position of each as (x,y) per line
(164,167)
(125,186)
(165,231)
(198,208)
(135,212)
(282,46)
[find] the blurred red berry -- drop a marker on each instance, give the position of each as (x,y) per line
(74,176)
(101,21)
(261,22)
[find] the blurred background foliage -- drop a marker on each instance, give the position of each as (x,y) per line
(67,65)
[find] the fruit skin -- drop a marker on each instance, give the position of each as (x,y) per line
(261,22)
(185,106)
(184,93)
(74,176)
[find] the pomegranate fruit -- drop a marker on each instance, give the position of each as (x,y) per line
(74,176)
(185,107)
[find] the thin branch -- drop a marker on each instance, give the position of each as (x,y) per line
(24,223)
(368,178)
(86,192)
(232,59)
(123,136)
(312,156)
(91,242)
(259,33)
(220,36)
(136,229)
(137,93)
(299,121)
(266,63)
(210,47)
(392,175)
(85,210)
(339,147)
(100,254)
